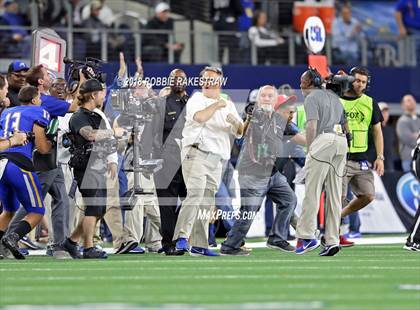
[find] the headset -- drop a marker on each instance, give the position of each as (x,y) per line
(364,71)
(315,77)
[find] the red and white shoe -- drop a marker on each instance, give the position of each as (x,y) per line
(345,243)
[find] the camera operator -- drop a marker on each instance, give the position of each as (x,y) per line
(259,177)
(364,121)
(90,165)
(211,122)
(38,77)
(169,181)
(325,162)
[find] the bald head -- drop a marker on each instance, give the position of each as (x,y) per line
(178,81)
(408,103)
(267,96)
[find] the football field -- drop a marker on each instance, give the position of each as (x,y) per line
(362,277)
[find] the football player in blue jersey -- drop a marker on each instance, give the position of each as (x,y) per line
(19,184)
(18,138)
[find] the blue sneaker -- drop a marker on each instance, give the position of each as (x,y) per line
(137,250)
(182,245)
(197,251)
(353,235)
(24,251)
(306,245)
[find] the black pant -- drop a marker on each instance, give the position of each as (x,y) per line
(168,198)
(92,186)
(414,235)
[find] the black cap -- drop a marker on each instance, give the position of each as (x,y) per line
(90,86)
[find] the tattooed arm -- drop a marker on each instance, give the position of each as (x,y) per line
(91,134)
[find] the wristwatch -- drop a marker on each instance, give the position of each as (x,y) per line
(381,157)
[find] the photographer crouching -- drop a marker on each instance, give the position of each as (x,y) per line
(93,153)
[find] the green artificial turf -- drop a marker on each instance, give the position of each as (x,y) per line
(363,277)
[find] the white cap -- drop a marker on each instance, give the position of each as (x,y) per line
(161,7)
(253,95)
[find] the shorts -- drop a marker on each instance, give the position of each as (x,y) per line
(362,182)
(21,187)
(94,195)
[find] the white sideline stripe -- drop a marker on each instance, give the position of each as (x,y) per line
(190,277)
(414,287)
(244,306)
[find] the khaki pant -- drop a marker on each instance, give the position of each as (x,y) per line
(113,215)
(147,205)
(202,175)
(73,210)
(324,166)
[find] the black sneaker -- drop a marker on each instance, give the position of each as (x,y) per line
(330,250)
(126,247)
(412,246)
(94,253)
(4,252)
(26,241)
(282,245)
(171,251)
(10,241)
(234,252)
(72,248)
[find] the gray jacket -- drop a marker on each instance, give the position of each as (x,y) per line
(407,126)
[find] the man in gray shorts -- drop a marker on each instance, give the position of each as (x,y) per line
(364,120)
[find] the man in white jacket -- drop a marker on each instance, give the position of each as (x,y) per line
(211,122)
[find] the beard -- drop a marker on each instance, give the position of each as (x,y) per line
(267,108)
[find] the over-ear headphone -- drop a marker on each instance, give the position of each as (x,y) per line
(315,77)
(363,71)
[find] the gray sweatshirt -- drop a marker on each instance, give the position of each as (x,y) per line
(407,126)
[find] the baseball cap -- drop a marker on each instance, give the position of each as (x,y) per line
(7,2)
(383,106)
(161,7)
(90,86)
(283,99)
(17,66)
(253,95)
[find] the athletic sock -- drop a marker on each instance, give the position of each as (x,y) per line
(1,234)
(23,228)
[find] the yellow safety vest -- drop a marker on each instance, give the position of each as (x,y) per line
(359,115)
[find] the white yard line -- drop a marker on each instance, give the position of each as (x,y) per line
(243,306)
